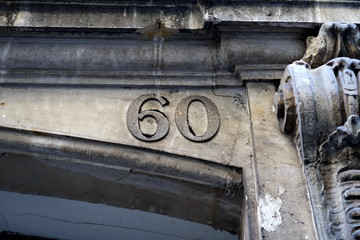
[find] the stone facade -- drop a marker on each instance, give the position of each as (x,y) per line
(176,120)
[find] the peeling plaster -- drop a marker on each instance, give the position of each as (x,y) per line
(270,216)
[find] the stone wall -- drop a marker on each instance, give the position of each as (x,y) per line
(168,108)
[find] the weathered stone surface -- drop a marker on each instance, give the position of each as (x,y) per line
(312,103)
(100,114)
(334,40)
(279,172)
(119,175)
(95,141)
(77,122)
(175,14)
(323,99)
(117,59)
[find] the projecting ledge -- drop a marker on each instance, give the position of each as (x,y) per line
(122,176)
(178,14)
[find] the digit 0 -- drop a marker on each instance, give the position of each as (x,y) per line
(182,123)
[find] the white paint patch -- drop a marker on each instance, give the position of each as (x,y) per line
(23,19)
(270,216)
(281,190)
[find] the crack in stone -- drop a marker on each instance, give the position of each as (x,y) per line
(101,224)
(238,98)
(217,62)
(235,141)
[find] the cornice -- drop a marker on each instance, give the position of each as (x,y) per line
(187,14)
(175,2)
(222,57)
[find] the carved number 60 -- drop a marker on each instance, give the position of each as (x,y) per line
(134,115)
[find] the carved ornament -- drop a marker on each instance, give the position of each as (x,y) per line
(312,103)
(320,108)
(334,40)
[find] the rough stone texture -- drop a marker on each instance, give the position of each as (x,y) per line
(130,58)
(279,172)
(177,14)
(124,178)
(70,70)
(100,114)
(308,11)
(334,40)
(313,105)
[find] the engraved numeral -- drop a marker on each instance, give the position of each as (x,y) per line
(134,115)
(181,118)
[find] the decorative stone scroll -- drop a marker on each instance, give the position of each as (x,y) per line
(320,108)
(312,103)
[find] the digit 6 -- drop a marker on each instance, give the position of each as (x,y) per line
(133,116)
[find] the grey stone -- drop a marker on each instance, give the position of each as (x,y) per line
(166,107)
(320,108)
(334,40)
(279,172)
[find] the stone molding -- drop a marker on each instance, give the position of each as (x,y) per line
(124,167)
(188,14)
(219,57)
